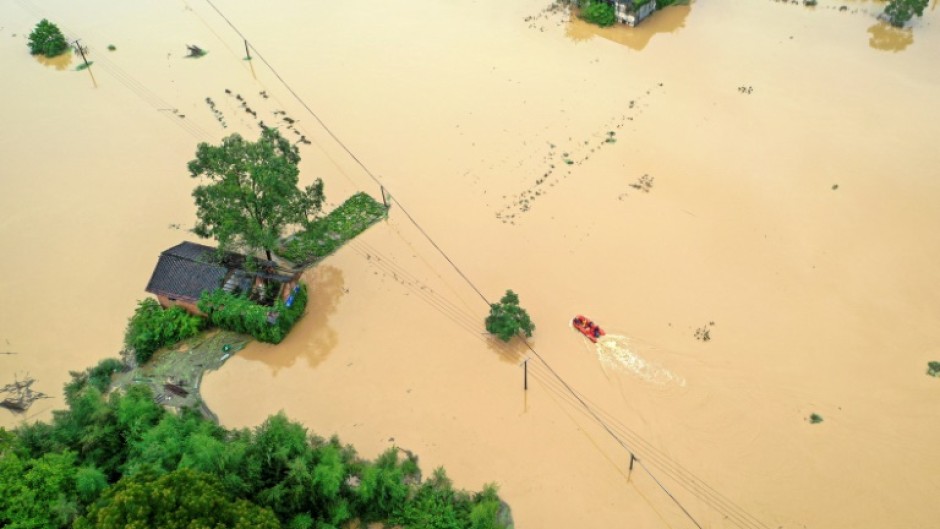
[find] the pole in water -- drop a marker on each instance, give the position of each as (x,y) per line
(525,375)
(80,50)
(247,51)
(632,459)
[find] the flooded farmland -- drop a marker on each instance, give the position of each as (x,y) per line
(760,173)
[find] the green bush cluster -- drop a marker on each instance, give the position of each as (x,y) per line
(324,235)
(598,12)
(123,461)
(46,39)
(899,12)
(152,327)
(507,318)
(98,377)
(239,314)
(933,369)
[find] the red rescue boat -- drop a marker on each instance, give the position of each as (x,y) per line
(587,328)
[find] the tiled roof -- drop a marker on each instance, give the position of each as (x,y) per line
(185,271)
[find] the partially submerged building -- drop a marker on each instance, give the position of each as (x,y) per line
(186,270)
(629,12)
(632,12)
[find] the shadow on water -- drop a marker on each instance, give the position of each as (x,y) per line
(60,62)
(313,339)
(511,352)
(668,20)
(886,37)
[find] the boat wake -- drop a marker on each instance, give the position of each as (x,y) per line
(616,352)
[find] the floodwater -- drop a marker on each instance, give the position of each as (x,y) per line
(760,170)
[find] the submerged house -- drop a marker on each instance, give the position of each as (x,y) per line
(186,270)
(632,12)
(629,12)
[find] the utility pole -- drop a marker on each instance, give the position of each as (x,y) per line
(247,51)
(82,51)
(525,375)
(384,200)
(630,471)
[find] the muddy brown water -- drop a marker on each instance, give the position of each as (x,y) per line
(771,173)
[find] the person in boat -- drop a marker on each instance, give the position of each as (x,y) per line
(597,331)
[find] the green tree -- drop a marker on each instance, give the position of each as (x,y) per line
(181,499)
(507,318)
(252,194)
(899,12)
(37,492)
(46,39)
(598,12)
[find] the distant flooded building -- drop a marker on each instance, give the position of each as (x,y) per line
(186,270)
(629,12)
(632,12)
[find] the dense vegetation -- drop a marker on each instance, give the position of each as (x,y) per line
(239,314)
(46,39)
(598,12)
(507,318)
(323,236)
(120,460)
(252,194)
(152,327)
(899,12)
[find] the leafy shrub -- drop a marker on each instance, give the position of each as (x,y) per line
(815,418)
(599,13)
(46,39)
(899,12)
(507,318)
(152,327)
(240,314)
(324,235)
(933,369)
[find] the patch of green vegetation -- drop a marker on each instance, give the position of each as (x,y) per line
(899,12)
(84,66)
(933,369)
(112,47)
(815,418)
(325,235)
(598,12)
(47,39)
(119,459)
(239,314)
(508,319)
(152,327)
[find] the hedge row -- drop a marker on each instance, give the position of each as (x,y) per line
(327,234)
(239,314)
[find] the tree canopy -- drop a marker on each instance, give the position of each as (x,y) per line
(182,499)
(507,318)
(899,12)
(251,195)
(46,39)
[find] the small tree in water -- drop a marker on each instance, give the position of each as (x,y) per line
(507,318)
(899,12)
(252,193)
(46,39)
